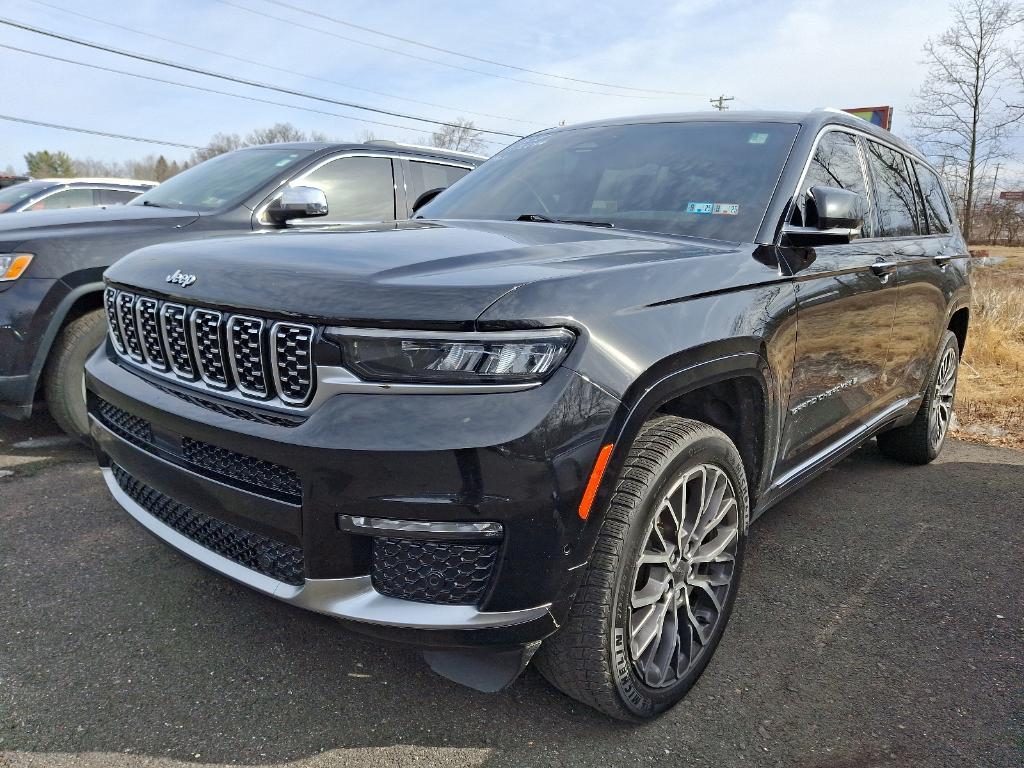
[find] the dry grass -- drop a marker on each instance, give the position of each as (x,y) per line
(990,394)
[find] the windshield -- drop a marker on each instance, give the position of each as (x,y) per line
(702,179)
(11,196)
(222,180)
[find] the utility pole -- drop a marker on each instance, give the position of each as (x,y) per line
(720,104)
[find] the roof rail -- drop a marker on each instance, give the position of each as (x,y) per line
(423,147)
(96,180)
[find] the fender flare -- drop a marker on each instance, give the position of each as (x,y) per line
(55,325)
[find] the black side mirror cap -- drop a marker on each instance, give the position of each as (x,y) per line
(426,197)
(838,208)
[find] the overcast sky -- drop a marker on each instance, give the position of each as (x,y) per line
(783,54)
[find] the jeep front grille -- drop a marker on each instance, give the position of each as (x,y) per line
(256,358)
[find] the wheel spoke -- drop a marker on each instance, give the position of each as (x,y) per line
(712,550)
(651,592)
(648,628)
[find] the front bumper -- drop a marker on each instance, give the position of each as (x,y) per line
(520,459)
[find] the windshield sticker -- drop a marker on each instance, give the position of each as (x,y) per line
(727,209)
(757,138)
(700,207)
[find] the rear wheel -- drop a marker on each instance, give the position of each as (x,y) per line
(662,580)
(64,379)
(922,440)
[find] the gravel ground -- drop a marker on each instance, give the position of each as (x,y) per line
(880,623)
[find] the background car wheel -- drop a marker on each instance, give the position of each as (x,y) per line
(921,441)
(64,379)
(663,577)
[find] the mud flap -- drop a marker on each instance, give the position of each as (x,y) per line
(483,670)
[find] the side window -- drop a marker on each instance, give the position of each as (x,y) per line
(836,163)
(68,198)
(357,189)
(114,196)
(895,193)
(425,175)
(939,219)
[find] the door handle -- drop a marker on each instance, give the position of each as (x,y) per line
(883,268)
(910,250)
(943,259)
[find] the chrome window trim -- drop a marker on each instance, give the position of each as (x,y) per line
(183,375)
(275,374)
(233,364)
(159,331)
(216,385)
(261,209)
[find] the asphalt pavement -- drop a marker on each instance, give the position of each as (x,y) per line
(880,622)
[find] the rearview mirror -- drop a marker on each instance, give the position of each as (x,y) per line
(426,197)
(297,203)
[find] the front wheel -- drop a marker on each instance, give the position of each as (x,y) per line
(922,440)
(64,380)
(662,580)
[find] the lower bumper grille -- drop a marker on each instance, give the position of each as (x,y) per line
(437,572)
(255,551)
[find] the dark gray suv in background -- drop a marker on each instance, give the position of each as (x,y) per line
(51,261)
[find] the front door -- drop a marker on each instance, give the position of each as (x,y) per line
(846,301)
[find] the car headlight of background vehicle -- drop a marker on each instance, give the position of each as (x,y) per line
(12,265)
(429,357)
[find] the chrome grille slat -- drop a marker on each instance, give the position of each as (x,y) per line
(129,331)
(174,319)
(245,353)
(149,332)
(291,358)
(245,357)
(208,344)
(113,324)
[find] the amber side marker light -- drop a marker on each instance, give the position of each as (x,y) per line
(595,481)
(13,264)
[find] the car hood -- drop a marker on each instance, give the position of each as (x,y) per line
(74,222)
(441,272)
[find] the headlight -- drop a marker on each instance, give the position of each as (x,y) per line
(429,357)
(13,264)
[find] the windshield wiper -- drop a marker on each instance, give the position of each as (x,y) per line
(548,220)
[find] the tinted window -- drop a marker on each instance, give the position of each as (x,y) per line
(705,179)
(18,193)
(114,196)
(895,194)
(69,198)
(424,176)
(223,180)
(836,163)
(939,221)
(357,189)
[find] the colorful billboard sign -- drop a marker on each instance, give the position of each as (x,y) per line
(880,116)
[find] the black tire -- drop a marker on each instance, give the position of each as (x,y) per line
(591,658)
(64,378)
(918,442)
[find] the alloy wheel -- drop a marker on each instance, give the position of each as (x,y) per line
(942,400)
(684,575)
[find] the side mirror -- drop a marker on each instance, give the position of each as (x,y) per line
(840,217)
(297,203)
(426,197)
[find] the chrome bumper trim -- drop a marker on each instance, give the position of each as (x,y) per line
(353,599)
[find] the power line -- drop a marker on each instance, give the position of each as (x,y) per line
(300,25)
(253,62)
(281,3)
(239,80)
(91,132)
(204,89)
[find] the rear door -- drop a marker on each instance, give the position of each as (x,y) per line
(423,175)
(846,300)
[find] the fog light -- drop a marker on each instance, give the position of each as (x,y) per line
(419,529)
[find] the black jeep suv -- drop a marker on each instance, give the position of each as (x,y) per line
(540,418)
(52,261)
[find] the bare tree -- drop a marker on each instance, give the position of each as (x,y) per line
(218,145)
(961,114)
(461,135)
(275,134)
(366,136)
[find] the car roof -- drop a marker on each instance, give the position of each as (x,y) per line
(100,180)
(376,146)
(813,120)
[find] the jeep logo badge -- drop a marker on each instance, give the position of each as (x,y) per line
(181,278)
